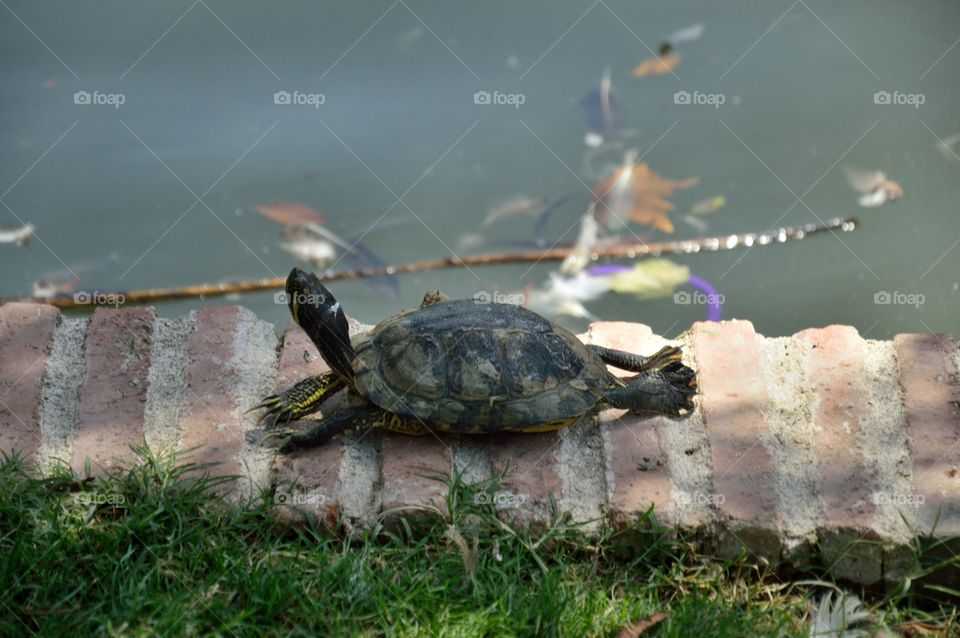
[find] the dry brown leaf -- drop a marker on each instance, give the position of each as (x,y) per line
(657,65)
(287,213)
(641,626)
(645,194)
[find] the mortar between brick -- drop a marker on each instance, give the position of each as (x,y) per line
(255,357)
(790,439)
(582,471)
(691,474)
(60,396)
(167,382)
(885,443)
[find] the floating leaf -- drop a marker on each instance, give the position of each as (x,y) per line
(291,213)
(650,278)
(635,192)
(657,65)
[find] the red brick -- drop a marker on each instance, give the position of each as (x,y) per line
(835,369)
(638,470)
(733,397)
(114,387)
(310,476)
(928,376)
(26,333)
(408,464)
(210,420)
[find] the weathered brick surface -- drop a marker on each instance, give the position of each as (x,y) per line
(724,472)
(929,378)
(835,368)
(637,473)
(26,332)
(410,467)
(211,427)
(733,400)
(114,388)
(307,480)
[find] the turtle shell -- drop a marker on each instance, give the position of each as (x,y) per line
(478,367)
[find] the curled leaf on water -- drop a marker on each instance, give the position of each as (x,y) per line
(20,236)
(876,188)
(637,193)
(650,278)
(709,205)
(290,213)
(519,205)
(687,34)
(661,64)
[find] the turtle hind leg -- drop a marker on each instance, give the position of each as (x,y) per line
(354,417)
(302,399)
(663,358)
(668,391)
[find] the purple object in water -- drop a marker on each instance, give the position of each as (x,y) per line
(607,269)
(714,301)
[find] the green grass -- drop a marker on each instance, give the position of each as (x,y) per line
(148,552)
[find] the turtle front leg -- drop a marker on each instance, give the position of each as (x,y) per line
(669,391)
(637,362)
(302,399)
(354,417)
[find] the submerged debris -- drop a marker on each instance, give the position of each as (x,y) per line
(20,236)
(877,189)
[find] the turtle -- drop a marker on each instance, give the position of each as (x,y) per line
(462,366)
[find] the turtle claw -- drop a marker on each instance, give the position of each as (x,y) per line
(274,439)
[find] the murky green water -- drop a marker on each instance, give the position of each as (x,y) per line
(198,120)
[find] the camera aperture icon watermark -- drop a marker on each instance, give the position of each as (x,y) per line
(697,298)
(500,500)
(96,98)
(494,296)
(898,500)
(283,298)
(697,98)
(701,498)
(97,298)
(509,99)
(300,499)
(298,98)
(896,298)
(899,99)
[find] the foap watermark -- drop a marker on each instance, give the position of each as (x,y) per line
(299,499)
(697,298)
(101,498)
(493,296)
(298,98)
(897,298)
(509,99)
(284,298)
(701,498)
(899,99)
(898,500)
(97,298)
(96,98)
(699,99)
(500,500)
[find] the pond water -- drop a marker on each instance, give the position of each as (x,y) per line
(159,190)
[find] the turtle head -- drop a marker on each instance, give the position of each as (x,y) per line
(318,312)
